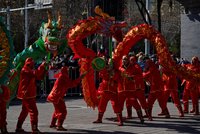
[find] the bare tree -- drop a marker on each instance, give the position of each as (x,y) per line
(165,16)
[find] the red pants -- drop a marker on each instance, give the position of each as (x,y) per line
(132,102)
(174,95)
(60,112)
(193,93)
(105,97)
(139,94)
(3,113)
(29,106)
(198,91)
(152,98)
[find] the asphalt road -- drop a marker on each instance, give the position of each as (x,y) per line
(80,117)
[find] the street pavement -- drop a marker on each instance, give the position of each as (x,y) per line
(80,117)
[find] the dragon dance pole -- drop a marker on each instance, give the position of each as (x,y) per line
(110,49)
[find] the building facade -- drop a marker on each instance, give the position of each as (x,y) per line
(190,28)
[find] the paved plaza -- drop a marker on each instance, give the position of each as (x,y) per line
(80,117)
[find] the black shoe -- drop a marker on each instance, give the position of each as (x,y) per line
(61,128)
(53,126)
(19,130)
(4,131)
(97,121)
(36,131)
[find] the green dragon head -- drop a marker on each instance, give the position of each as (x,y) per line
(50,33)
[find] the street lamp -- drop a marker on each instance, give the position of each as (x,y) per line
(26,25)
(147,44)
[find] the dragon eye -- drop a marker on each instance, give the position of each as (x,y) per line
(49,33)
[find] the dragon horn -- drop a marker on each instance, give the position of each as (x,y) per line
(49,24)
(100,12)
(59,20)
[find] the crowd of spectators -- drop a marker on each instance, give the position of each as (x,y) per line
(55,65)
(68,60)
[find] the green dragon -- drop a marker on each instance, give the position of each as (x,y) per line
(48,43)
